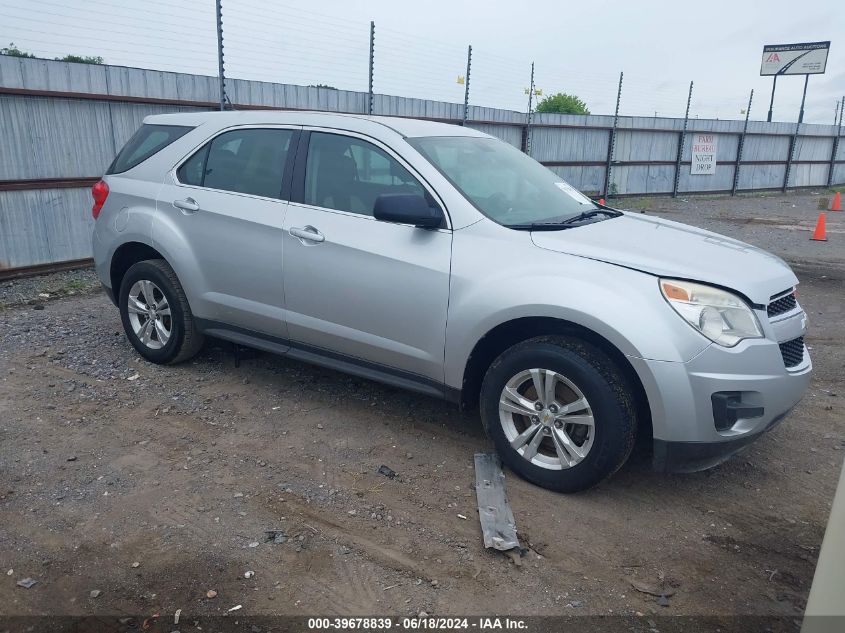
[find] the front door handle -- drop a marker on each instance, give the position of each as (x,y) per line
(308,233)
(188,204)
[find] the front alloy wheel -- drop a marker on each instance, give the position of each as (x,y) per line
(560,412)
(546,418)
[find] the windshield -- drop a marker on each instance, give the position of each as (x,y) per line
(503,183)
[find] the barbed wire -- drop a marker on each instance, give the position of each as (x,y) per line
(302,46)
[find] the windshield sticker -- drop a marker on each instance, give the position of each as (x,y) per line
(576,195)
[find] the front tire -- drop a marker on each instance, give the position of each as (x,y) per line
(155,313)
(560,412)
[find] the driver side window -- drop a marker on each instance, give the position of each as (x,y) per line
(348,174)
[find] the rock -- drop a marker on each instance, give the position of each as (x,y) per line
(211,593)
(95,593)
(254,544)
(136,564)
(386,471)
(249,574)
(26,583)
(650,589)
(422,614)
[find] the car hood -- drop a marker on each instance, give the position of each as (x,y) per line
(671,249)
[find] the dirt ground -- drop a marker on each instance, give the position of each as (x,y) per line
(128,488)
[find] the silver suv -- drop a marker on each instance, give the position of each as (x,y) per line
(439,259)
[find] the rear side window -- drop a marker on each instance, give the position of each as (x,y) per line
(148,140)
(248,161)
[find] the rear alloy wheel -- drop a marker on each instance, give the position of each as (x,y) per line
(559,411)
(155,313)
(149,314)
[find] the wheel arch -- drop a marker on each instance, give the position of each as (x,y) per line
(509,333)
(125,256)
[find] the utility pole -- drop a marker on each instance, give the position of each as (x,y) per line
(372,64)
(220,73)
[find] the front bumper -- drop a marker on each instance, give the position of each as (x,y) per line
(690,457)
(689,431)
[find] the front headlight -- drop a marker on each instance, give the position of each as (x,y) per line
(719,315)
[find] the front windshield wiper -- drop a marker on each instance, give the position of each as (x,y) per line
(541,226)
(586,215)
(569,223)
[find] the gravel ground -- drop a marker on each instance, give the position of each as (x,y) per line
(36,291)
(135,489)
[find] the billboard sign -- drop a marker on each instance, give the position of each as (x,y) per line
(809,58)
(703,154)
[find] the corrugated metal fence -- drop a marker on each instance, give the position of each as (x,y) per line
(62,123)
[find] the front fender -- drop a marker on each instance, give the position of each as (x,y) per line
(491,287)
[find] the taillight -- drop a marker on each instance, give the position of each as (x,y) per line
(100,192)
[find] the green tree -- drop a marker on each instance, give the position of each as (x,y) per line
(81,59)
(13,51)
(563,103)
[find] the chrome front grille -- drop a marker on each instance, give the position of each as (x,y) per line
(792,352)
(782,305)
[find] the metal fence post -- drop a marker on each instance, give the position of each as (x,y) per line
(741,144)
(835,145)
(681,140)
(793,141)
(221,74)
(611,140)
(372,64)
(526,142)
(466,85)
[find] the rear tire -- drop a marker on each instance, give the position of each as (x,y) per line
(155,314)
(560,412)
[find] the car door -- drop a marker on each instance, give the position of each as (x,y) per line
(228,201)
(362,289)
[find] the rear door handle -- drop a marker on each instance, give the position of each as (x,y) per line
(307,233)
(188,204)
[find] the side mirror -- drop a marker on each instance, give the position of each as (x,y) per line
(407,208)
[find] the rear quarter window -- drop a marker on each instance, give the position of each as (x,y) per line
(147,141)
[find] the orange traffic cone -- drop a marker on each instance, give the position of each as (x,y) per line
(601,201)
(820,234)
(837,202)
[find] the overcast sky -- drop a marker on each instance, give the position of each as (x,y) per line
(421,47)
